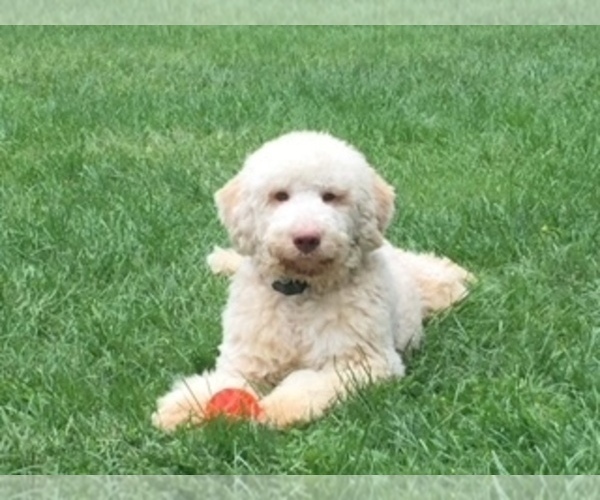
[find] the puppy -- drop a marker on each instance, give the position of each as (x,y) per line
(319,302)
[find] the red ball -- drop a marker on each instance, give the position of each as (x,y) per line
(233,403)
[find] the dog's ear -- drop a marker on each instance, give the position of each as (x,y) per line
(235,215)
(227,199)
(376,218)
(384,201)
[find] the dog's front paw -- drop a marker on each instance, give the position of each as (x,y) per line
(177,408)
(282,412)
(189,402)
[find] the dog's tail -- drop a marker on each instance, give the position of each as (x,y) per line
(441,282)
(224,261)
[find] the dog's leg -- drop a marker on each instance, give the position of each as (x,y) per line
(305,395)
(224,261)
(186,402)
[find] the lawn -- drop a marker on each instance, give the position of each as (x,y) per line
(112,141)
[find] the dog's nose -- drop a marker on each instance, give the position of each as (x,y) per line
(308,242)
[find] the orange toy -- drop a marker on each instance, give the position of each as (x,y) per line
(233,403)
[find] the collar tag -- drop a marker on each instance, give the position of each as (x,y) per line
(289,287)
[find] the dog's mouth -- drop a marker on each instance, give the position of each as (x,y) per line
(306,266)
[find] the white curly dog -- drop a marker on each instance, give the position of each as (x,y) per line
(319,303)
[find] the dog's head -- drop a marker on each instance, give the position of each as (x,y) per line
(306,204)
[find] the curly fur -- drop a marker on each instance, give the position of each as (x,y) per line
(365,299)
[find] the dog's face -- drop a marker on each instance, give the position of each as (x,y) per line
(306,204)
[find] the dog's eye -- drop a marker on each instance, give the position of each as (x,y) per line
(281,196)
(328,197)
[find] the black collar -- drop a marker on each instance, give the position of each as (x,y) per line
(289,287)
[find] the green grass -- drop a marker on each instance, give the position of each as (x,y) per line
(112,141)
